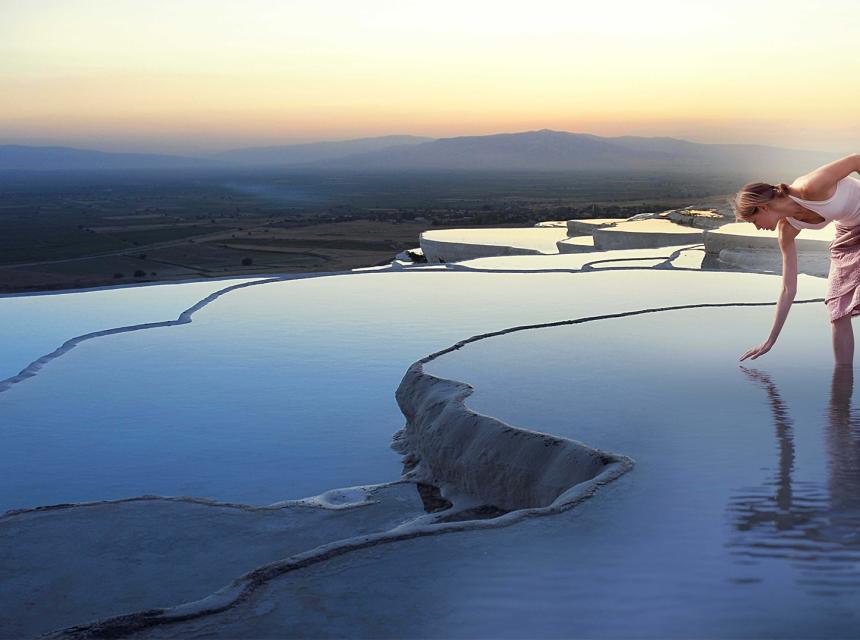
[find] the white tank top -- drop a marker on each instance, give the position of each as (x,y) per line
(843,206)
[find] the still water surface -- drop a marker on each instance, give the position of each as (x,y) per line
(744,505)
(739,519)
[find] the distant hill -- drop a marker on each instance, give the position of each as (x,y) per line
(777,162)
(548,150)
(31,158)
(535,151)
(24,158)
(314,151)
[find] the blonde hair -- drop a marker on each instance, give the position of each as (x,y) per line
(754,194)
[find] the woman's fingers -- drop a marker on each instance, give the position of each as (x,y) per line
(760,351)
(755,352)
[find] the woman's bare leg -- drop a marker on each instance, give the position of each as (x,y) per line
(843,340)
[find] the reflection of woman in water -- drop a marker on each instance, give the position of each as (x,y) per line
(816,528)
(812,201)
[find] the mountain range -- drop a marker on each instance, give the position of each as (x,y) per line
(538,151)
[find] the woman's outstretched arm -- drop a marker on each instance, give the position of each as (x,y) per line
(787,245)
(817,184)
(787,234)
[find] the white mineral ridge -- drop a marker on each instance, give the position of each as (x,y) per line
(472,454)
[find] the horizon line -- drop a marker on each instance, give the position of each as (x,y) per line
(392,135)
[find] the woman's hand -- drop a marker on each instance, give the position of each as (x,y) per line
(760,350)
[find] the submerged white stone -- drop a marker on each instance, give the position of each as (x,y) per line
(77,563)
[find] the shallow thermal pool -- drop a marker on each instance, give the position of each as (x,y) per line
(274,391)
(743,510)
(37,324)
(740,517)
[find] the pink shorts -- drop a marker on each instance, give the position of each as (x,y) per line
(843,281)
(845,304)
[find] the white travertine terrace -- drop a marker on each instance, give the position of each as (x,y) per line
(814,263)
(588,225)
(676,256)
(576,244)
(645,231)
(642,234)
(741,245)
(699,218)
(728,244)
(743,235)
(450,245)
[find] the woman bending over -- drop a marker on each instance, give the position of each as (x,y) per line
(828,194)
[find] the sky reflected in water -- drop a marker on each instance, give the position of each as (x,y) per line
(739,519)
(746,490)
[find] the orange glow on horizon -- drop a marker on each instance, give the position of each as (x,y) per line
(127,75)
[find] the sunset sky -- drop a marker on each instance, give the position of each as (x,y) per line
(193,76)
